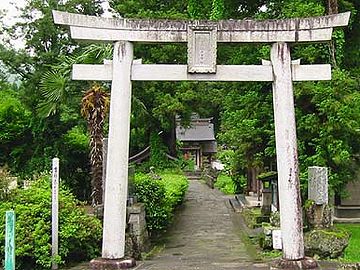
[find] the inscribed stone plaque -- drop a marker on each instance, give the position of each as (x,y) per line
(277,239)
(202,48)
(318,185)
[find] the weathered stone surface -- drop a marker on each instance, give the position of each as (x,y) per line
(162,72)
(202,45)
(318,185)
(286,153)
(116,184)
(353,190)
(289,30)
(137,238)
(305,263)
(318,216)
(204,236)
(209,175)
(266,202)
(109,264)
(326,243)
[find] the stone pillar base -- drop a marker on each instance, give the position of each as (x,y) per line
(306,263)
(111,264)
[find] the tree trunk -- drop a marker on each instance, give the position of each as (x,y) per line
(332,8)
(170,138)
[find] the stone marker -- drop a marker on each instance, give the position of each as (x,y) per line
(318,212)
(318,185)
(277,240)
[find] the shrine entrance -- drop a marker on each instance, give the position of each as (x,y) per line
(202,38)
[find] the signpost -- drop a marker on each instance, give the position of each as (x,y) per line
(55,213)
(10,241)
(202,38)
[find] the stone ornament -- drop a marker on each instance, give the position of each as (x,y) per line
(202,45)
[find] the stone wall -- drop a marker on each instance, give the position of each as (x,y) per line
(137,238)
(353,190)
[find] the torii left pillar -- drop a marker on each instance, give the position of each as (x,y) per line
(113,248)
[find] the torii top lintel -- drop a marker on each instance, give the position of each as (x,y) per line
(313,29)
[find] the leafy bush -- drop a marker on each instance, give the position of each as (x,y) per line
(14,127)
(225,184)
(160,196)
(79,234)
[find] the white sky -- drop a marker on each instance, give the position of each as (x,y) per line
(11,13)
(10,10)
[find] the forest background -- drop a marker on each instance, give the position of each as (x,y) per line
(40,107)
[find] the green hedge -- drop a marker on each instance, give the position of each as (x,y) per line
(225,184)
(160,196)
(79,234)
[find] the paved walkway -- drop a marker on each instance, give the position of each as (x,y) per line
(205,235)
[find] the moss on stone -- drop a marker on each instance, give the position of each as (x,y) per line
(251,217)
(308,204)
(326,243)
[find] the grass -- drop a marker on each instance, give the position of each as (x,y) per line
(352,253)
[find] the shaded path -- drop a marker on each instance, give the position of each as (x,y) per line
(203,236)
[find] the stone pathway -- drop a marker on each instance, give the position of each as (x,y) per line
(204,236)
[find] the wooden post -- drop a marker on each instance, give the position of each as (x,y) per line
(55,213)
(118,153)
(286,153)
(10,241)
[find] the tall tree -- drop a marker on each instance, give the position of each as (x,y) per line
(94,107)
(45,44)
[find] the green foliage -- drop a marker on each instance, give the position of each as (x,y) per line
(74,164)
(328,126)
(227,158)
(250,133)
(326,112)
(217,11)
(160,196)
(352,251)
(158,152)
(225,184)
(233,168)
(46,44)
(79,234)
(15,131)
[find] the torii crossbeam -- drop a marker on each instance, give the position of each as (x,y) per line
(202,38)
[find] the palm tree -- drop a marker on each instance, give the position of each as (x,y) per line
(332,7)
(95,103)
(95,106)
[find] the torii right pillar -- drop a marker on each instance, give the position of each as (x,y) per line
(287,163)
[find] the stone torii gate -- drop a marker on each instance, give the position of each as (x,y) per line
(201,38)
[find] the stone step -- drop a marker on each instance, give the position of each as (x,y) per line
(346,220)
(236,206)
(193,177)
(347,211)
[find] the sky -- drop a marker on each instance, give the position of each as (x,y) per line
(10,10)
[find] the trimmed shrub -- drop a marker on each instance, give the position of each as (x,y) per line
(79,234)
(160,196)
(225,184)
